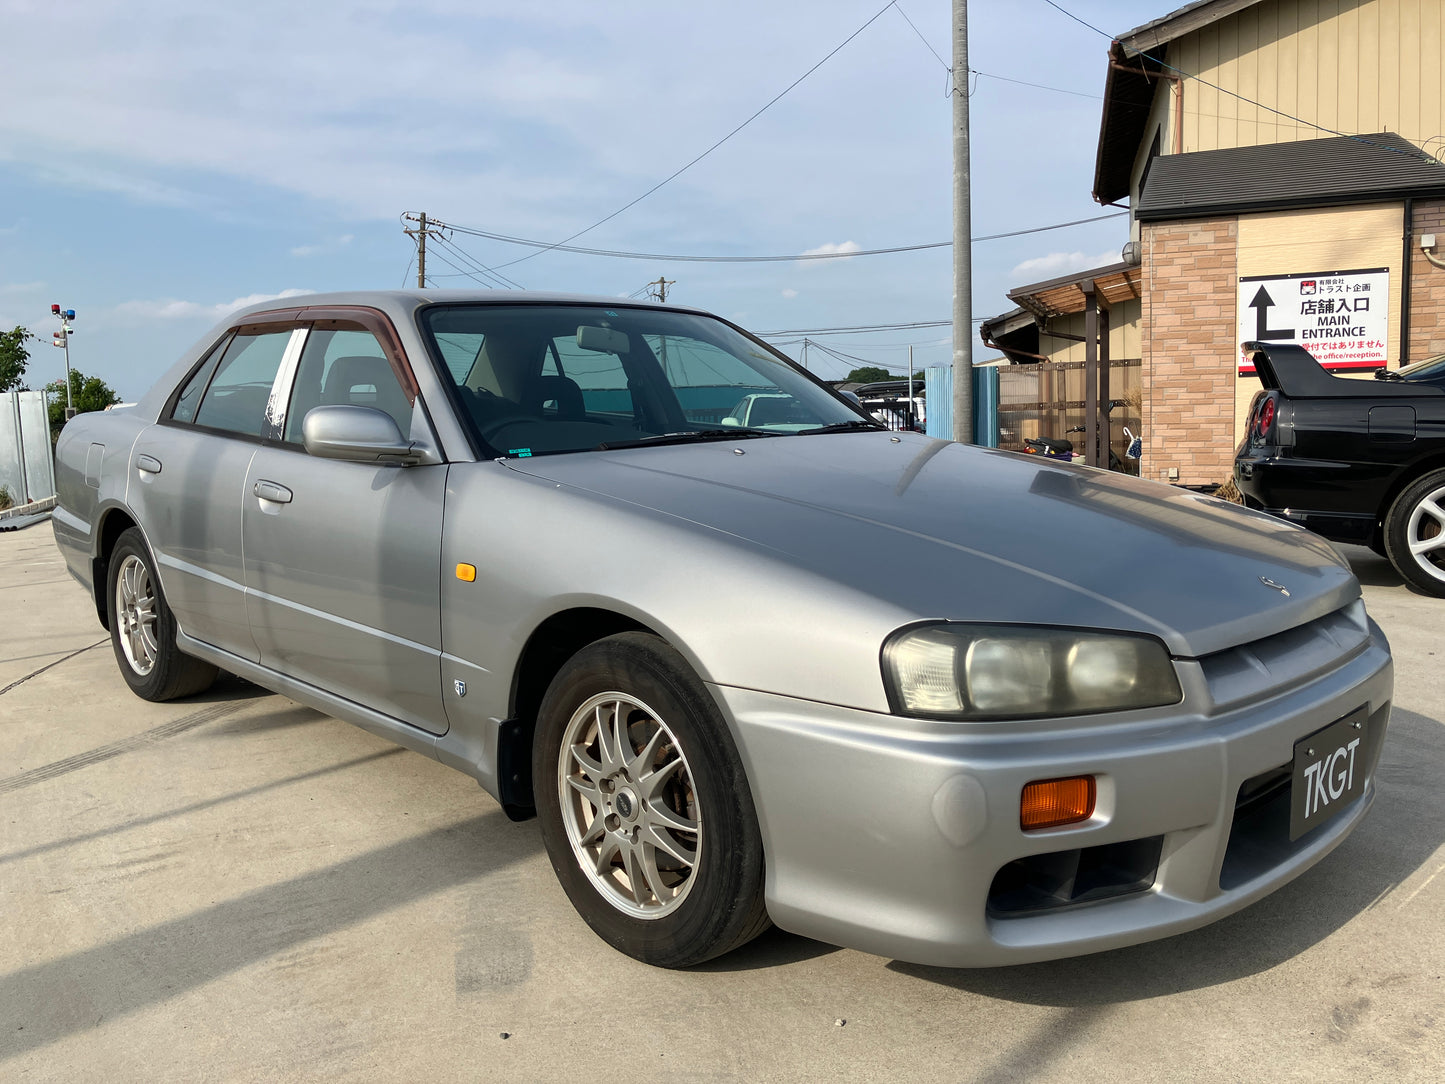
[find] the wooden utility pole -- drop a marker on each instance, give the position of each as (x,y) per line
(421,254)
(962,231)
(660,294)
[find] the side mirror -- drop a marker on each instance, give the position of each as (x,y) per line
(357,434)
(852,397)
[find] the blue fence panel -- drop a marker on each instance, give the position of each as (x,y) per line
(938,382)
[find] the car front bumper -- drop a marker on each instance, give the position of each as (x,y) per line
(884,835)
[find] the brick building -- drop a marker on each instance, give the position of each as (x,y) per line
(1248,223)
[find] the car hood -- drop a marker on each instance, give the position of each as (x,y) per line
(955,532)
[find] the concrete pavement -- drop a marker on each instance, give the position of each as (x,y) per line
(233,887)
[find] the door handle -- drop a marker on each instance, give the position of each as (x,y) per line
(148,463)
(272,491)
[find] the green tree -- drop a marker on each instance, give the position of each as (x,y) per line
(13,358)
(870,374)
(87,393)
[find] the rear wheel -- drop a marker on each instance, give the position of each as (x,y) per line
(143,629)
(644,806)
(1415,533)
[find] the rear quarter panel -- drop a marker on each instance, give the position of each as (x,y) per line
(92,462)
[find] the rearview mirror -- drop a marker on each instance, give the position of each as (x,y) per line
(603,340)
(357,434)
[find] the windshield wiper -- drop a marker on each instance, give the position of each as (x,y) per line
(690,436)
(843,427)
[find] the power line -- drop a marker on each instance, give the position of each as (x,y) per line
(678,173)
(1038,86)
(623,255)
(927,44)
(857,328)
(477,265)
(1413,153)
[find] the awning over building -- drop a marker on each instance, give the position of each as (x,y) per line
(1016,332)
(1339,170)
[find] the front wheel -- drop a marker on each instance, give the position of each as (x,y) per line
(644,805)
(1415,533)
(143,629)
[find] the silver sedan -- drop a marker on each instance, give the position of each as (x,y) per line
(946,704)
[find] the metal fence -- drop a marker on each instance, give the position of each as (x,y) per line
(26,469)
(1047,400)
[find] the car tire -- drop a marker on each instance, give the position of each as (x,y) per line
(1415,533)
(654,838)
(143,628)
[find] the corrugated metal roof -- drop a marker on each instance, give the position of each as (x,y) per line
(1279,176)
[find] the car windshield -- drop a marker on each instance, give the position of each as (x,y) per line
(544,379)
(1430,369)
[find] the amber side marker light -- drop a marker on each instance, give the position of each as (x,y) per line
(467,572)
(1048,803)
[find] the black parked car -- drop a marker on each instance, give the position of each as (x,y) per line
(1354,460)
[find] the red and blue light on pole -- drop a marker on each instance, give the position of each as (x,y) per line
(62,339)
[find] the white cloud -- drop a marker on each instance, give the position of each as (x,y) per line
(21,287)
(1056,264)
(172,309)
(790,293)
(831,247)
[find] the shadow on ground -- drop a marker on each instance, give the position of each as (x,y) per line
(49,1001)
(1405,827)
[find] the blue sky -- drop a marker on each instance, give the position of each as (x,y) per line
(162,163)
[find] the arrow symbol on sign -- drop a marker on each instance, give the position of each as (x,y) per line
(1261,305)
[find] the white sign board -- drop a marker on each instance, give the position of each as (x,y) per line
(1341,317)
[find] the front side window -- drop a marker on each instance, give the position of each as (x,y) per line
(544,379)
(344,366)
(239,393)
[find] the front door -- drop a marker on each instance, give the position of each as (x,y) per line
(343,560)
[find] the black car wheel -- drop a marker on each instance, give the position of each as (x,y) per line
(644,805)
(1415,533)
(143,629)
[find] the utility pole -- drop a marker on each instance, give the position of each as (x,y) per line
(424,228)
(660,294)
(61,339)
(962,230)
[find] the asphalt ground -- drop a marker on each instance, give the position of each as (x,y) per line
(234,887)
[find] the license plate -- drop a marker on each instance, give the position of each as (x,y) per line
(1329,773)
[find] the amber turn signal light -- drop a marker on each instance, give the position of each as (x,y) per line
(1048,803)
(467,573)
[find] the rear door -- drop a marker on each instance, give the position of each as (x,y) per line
(343,560)
(187,476)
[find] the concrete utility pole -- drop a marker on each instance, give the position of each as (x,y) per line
(962,231)
(660,294)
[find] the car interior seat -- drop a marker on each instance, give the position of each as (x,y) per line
(369,382)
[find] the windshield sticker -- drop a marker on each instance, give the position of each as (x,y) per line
(520,453)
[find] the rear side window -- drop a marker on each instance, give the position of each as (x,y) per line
(237,398)
(190,397)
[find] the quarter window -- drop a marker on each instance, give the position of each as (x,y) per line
(190,397)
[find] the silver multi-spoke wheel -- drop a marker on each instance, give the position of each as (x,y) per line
(628,805)
(135,613)
(1425,534)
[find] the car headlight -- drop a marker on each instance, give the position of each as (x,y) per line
(1014,672)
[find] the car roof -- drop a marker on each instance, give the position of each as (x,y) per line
(406,300)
